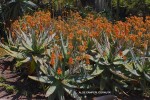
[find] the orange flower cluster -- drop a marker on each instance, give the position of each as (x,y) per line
(77,32)
(53,57)
(59,71)
(70,61)
(38,22)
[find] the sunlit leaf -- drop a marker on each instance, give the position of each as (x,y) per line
(50,91)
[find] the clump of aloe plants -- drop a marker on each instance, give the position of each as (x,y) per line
(68,55)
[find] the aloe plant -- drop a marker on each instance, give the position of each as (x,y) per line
(26,47)
(63,77)
(65,82)
(110,56)
(139,67)
(109,53)
(58,84)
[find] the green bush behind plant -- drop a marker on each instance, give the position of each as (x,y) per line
(133,7)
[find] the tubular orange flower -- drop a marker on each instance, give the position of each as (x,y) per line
(116,30)
(60,57)
(108,30)
(50,32)
(87,56)
(82,48)
(140,34)
(70,61)
(142,29)
(37,31)
(56,37)
(95,34)
(71,35)
(32,24)
(52,62)
(79,32)
(78,58)
(91,35)
(70,46)
(145,44)
(132,37)
(59,71)
(41,28)
(68,53)
(79,39)
(53,55)
(24,27)
(120,53)
(87,61)
(124,58)
(13,34)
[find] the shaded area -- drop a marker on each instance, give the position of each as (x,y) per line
(24,89)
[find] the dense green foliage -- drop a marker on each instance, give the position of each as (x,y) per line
(131,7)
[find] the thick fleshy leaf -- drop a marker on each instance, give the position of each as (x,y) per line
(119,61)
(50,70)
(26,60)
(21,48)
(32,67)
(98,46)
(98,62)
(72,93)
(81,79)
(18,64)
(46,39)
(26,45)
(42,67)
(147,77)
(63,46)
(67,72)
(120,74)
(61,93)
(10,40)
(97,71)
(50,91)
(130,68)
(51,37)
(30,3)
(102,84)
(14,54)
(26,38)
(43,79)
(34,41)
(52,96)
(124,53)
(138,65)
(65,82)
